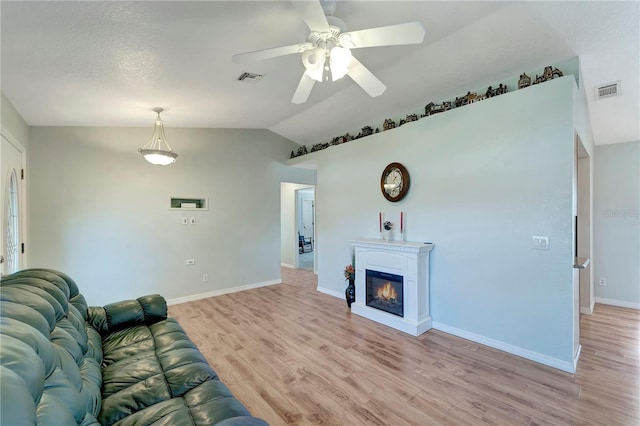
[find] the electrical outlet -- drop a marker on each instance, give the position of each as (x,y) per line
(602,281)
(192,221)
(205,278)
(540,242)
(190,262)
(185,221)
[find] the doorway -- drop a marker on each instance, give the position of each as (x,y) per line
(12,204)
(297,226)
(582,226)
(305,224)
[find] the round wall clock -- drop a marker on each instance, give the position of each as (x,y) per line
(394,182)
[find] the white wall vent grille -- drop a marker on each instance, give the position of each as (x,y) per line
(607,90)
(249,77)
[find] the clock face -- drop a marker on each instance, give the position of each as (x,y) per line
(394,182)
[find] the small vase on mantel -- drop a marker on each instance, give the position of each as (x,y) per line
(350,292)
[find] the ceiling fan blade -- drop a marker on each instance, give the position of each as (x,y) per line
(312,14)
(369,82)
(258,55)
(303,90)
(409,33)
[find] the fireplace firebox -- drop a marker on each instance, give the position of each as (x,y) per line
(385,292)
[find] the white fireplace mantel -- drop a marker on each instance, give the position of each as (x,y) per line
(408,259)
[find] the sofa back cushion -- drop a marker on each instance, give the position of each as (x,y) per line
(49,357)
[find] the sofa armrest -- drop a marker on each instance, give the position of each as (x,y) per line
(127,313)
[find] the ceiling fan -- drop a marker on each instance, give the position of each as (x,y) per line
(326,55)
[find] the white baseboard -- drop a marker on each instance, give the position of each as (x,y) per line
(214,293)
(331,292)
(576,357)
(586,311)
(567,366)
(619,303)
(286,265)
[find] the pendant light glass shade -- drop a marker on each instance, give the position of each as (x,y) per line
(340,60)
(157,151)
(313,60)
(319,61)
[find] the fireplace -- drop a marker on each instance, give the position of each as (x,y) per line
(385,292)
(399,271)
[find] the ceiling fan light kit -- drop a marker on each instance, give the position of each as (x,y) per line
(326,55)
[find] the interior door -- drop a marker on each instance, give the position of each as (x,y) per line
(11,187)
(307,218)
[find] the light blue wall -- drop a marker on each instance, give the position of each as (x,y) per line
(99,212)
(617,224)
(485,178)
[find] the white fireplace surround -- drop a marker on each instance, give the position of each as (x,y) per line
(407,259)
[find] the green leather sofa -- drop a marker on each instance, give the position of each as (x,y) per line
(63,363)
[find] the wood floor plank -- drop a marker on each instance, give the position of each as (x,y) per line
(295,356)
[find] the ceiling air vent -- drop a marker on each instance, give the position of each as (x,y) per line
(249,77)
(607,90)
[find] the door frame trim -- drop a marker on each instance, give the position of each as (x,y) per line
(22,199)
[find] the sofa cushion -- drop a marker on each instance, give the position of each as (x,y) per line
(48,351)
(151,372)
(206,404)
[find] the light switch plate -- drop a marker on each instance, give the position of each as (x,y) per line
(185,221)
(192,221)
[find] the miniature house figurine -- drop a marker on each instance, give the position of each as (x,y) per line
(410,118)
(525,81)
(432,108)
(389,124)
(549,73)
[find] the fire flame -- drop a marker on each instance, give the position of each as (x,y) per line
(387,292)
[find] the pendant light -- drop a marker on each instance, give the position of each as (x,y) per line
(157,151)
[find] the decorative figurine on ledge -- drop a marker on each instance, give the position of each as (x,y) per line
(476,98)
(525,81)
(432,108)
(345,138)
(549,73)
(319,146)
(389,124)
(366,131)
(409,119)
(500,90)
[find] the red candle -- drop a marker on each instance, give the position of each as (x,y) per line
(401,223)
(380,225)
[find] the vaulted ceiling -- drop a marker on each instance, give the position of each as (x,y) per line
(90,63)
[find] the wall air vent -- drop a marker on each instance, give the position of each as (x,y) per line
(607,90)
(249,77)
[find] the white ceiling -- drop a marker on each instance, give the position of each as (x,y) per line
(88,63)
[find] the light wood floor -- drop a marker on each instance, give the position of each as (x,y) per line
(293,355)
